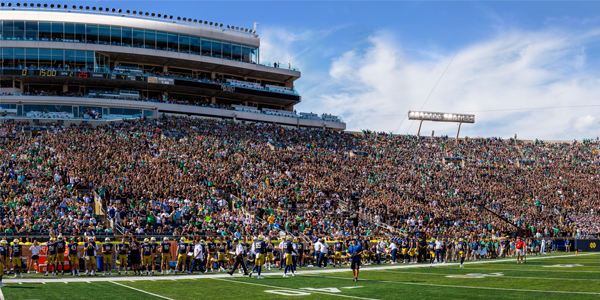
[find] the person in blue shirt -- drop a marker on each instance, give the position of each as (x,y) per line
(354,252)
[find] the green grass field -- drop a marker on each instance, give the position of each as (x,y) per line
(555,276)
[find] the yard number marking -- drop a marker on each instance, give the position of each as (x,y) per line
(476,275)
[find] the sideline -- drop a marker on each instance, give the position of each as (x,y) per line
(294,289)
(141,291)
(225,275)
(1,295)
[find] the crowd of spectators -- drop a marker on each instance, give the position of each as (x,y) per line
(182,186)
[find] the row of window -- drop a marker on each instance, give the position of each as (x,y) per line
(53,58)
(46,108)
(126,37)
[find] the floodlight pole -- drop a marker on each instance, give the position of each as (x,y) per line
(458,131)
(419,132)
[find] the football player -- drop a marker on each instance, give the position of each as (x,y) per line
(51,258)
(288,249)
(15,257)
(165,255)
(221,255)
(3,256)
(61,246)
(147,256)
(269,253)
(338,247)
(90,256)
(153,254)
(107,253)
(259,248)
(73,257)
(135,256)
(122,249)
(181,255)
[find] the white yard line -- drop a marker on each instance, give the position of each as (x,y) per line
(1,295)
(159,296)
(422,273)
(468,287)
(522,270)
(293,289)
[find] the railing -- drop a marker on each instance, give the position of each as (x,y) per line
(280,66)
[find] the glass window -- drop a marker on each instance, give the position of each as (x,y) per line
(226,50)
(58,32)
(69,32)
(104,35)
(194,45)
(19,30)
(45,31)
(47,108)
(31,31)
(90,61)
(91,32)
(102,62)
(254,55)
(173,42)
(138,38)
(19,54)
(150,39)
(125,111)
(1,34)
(148,113)
(184,43)
(80,33)
(246,54)
(45,58)
(161,40)
(80,60)
(115,36)
(216,48)
(7,30)
(31,57)
(126,37)
(57,58)
(236,52)
(206,47)
(7,58)
(69,59)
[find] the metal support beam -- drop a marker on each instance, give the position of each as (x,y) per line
(458,131)
(419,132)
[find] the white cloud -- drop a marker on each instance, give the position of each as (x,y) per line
(513,70)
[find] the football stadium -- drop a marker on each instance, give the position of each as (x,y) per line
(153,156)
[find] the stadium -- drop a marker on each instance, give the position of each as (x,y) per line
(155,156)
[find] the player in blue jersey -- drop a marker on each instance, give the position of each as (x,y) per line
(288,249)
(461,247)
(259,248)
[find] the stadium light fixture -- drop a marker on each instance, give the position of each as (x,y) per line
(440,117)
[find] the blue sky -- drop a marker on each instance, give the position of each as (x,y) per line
(371,61)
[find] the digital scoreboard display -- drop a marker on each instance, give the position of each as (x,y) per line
(77,74)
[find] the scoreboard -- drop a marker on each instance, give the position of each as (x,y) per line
(80,74)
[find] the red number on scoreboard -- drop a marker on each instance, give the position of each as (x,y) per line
(83,75)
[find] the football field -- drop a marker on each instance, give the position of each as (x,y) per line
(556,276)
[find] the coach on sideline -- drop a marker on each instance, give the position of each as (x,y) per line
(354,252)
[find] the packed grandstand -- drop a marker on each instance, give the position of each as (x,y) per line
(211,175)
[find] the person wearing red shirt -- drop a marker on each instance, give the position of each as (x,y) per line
(520,246)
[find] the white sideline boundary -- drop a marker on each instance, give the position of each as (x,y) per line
(92,279)
(159,296)
(1,295)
